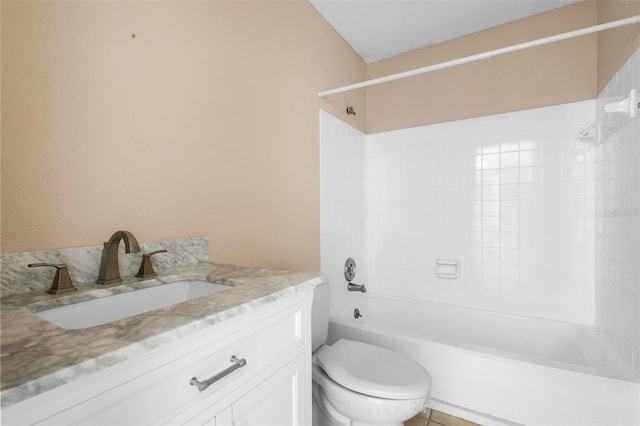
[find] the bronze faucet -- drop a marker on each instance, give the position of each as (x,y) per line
(146,267)
(61,281)
(109,268)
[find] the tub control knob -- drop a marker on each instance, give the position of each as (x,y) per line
(350,269)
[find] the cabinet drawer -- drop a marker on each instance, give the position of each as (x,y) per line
(273,398)
(166,389)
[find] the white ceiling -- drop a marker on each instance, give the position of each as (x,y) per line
(379,29)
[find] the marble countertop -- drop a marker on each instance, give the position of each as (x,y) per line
(38,356)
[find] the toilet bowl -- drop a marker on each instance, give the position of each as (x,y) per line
(359,384)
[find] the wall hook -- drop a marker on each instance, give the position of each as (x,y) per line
(350,111)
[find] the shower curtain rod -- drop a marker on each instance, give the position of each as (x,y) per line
(484,55)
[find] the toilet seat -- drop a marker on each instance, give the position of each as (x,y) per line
(374,371)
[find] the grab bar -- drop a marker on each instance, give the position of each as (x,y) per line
(237,363)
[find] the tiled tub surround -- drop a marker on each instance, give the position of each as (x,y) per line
(510,196)
(617,222)
(343,205)
(38,356)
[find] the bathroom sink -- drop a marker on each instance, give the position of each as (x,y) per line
(119,306)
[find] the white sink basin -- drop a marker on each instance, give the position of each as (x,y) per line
(110,308)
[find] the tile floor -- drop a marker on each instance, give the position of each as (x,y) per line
(437,418)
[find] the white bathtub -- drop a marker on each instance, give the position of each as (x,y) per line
(497,368)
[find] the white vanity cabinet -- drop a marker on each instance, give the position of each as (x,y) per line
(272,388)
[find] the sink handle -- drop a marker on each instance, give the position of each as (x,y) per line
(146,267)
(61,281)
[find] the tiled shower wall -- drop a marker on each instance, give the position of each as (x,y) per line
(343,205)
(543,222)
(617,221)
(510,197)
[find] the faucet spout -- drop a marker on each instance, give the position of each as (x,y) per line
(357,287)
(109,268)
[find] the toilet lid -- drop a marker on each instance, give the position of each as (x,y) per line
(375,371)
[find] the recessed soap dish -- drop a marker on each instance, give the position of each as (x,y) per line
(447,269)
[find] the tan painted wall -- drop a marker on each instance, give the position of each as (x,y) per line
(616,45)
(545,75)
(0,125)
(205,124)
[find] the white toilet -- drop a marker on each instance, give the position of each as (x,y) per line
(357,384)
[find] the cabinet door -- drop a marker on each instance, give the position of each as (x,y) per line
(276,401)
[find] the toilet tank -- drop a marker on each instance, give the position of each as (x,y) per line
(320,315)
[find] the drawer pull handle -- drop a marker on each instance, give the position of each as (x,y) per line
(237,363)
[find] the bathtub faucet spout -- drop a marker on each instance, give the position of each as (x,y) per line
(357,287)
